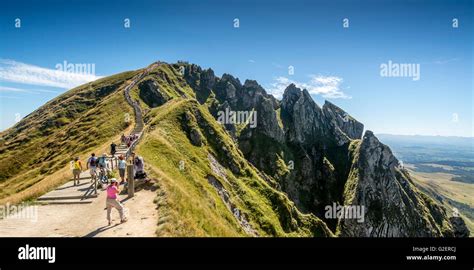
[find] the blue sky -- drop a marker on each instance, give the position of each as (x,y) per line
(334,63)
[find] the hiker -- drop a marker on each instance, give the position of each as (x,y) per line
(113,149)
(77,169)
(123,139)
(92,164)
(112,201)
(103,168)
(102,161)
(122,165)
(138,166)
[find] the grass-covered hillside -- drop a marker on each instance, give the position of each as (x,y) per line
(36,152)
(206,186)
(200,195)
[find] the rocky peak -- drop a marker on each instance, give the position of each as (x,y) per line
(302,117)
(192,73)
(374,153)
(342,120)
(267,120)
(290,96)
(252,94)
(231,79)
(392,205)
(208,79)
(252,84)
(227,89)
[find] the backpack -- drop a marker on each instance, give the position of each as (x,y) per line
(140,175)
(101,161)
(93,162)
(138,161)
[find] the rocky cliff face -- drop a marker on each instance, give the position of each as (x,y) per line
(317,156)
(341,120)
(151,94)
(393,206)
(303,119)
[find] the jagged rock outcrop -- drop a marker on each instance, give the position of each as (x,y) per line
(303,119)
(392,205)
(249,97)
(342,120)
(226,89)
(150,93)
(189,124)
(208,79)
(306,123)
(459,226)
(301,150)
(267,120)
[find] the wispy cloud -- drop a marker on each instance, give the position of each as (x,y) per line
(251,61)
(26,91)
(17,72)
(326,86)
(445,61)
(440,61)
(13,89)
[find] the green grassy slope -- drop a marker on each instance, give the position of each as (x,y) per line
(206,188)
(203,186)
(44,142)
(191,205)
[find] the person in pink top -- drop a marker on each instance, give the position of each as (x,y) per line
(112,201)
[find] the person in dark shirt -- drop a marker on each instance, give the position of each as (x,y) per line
(113,149)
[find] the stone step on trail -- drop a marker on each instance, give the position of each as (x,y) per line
(66,201)
(68,193)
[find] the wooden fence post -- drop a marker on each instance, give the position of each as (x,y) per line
(130,181)
(95,184)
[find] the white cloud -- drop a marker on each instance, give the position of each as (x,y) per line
(251,61)
(29,91)
(326,86)
(13,89)
(17,72)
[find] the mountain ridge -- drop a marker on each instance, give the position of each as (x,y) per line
(256,191)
